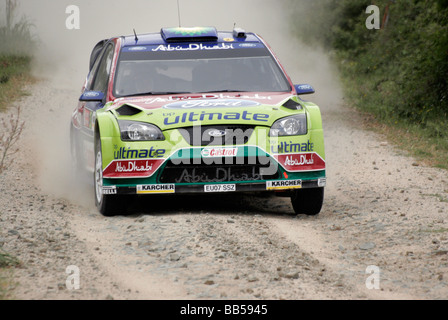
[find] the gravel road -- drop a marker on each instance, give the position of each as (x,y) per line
(382,209)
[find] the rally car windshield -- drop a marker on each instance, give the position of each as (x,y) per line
(141,72)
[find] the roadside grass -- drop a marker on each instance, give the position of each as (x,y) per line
(17,44)
(412,139)
(426,141)
(6,284)
(14,76)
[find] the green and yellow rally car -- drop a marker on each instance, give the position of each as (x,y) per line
(194,110)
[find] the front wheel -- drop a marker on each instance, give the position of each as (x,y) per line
(308,201)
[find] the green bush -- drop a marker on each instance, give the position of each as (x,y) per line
(6,260)
(16,38)
(398,73)
(14,73)
(17,46)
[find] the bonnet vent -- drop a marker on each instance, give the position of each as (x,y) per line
(291,104)
(127,110)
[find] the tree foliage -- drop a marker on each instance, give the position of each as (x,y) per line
(16,36)
(399,71)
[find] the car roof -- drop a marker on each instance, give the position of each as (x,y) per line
(188,35)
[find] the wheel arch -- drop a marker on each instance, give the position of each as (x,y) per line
(105,130)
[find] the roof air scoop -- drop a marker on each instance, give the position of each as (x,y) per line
(197,34)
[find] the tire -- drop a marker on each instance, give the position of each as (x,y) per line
(308,201)
(107,204)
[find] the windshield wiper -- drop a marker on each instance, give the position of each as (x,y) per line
(160,93)
(154,93)
(226,90)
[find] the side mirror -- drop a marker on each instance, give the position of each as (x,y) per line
(92,96)
(304,89)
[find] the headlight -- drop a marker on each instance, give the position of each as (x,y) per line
(289,126)
(139,131)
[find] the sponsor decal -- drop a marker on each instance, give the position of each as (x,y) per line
(285,147)
(255,96)
(132,168)
(210,116)
(301,161)
(283,184)
(88,117)
(219,152)
(305,87)
(219,103)
(123,153)
(109,190)
(218,175)
(135,48)
(159,100)
(91,94)
(217,133)
(156,188)
(192,47)
(248,45)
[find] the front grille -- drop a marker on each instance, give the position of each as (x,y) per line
(229,135)
(219,170)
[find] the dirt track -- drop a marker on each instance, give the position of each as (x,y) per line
(381,208)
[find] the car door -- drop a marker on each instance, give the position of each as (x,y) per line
(97,81)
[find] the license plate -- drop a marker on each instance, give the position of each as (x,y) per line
(219,187)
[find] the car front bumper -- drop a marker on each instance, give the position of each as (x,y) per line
(280,186)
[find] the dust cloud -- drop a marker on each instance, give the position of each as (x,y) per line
(63,55)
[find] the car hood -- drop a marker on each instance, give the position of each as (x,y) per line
(169,112)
